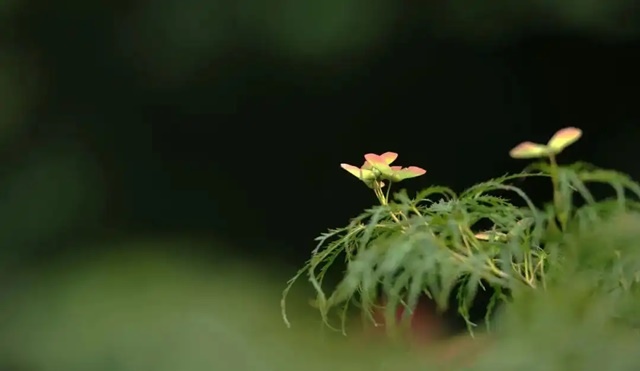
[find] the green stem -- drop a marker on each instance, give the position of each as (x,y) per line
(388,192)
(384,199)
(557,195)
(378,191)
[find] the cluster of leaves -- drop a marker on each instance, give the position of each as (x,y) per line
(433,243)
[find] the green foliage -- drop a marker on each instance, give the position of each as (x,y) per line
(434,243)
(156,305)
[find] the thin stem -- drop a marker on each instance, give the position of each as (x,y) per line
(527,275)
(388,192)
(465,240)
(553,170)
(383,199)
(387,200)
(557,195)
(377,189)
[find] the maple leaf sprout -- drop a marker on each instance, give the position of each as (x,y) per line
(392,173)
(377,168)
(413,247)
(562,139)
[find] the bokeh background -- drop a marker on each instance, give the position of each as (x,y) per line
(165,166)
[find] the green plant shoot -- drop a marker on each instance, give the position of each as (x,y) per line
(432,243)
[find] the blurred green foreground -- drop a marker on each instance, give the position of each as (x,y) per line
(147,307)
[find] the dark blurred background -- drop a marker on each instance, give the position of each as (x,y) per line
(226,122)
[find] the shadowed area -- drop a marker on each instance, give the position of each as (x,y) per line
(165,167)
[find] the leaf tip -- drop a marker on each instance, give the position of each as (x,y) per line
(417,171)
(564,138)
